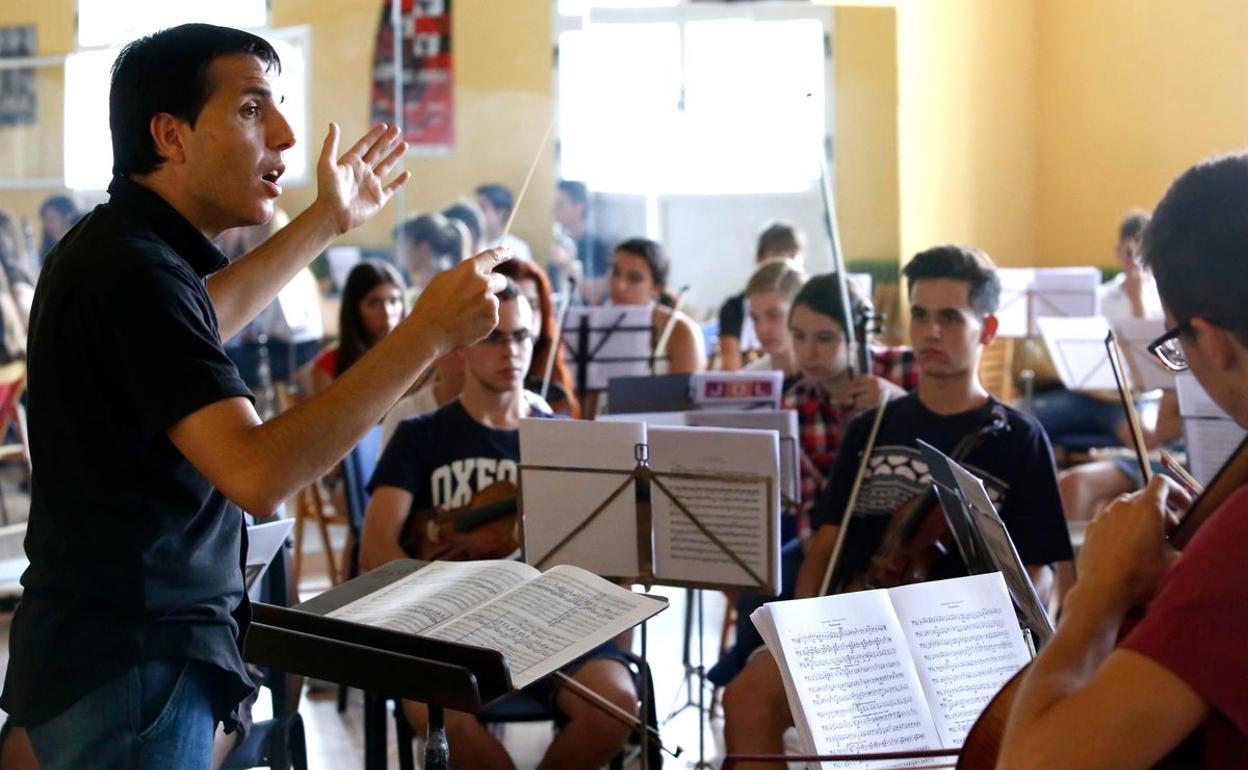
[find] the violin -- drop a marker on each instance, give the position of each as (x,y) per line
(488,527)
(918,534)
(983,743)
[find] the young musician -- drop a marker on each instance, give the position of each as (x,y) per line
(145,437)
(444,458)
(638,277)
(954,292)
(825,398)
(1089,701)
(535,286)
(769,296)
(779,240)
(372,307)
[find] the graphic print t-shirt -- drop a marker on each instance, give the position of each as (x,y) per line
(1016,466)
(445,457)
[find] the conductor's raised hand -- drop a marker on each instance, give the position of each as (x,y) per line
(352,188)
(458,307)
(1125,553)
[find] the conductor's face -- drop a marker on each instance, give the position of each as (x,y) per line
(233,153)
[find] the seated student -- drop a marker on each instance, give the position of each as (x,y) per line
(1132,293)
(824,398)
(496,203)
(535,287)
(778,240)
(15,261)
(442,459)
(769,296)
(431,243)
(372,306)
(57,214)
(638,276)
(954,292)
(468,214)
(1095,697)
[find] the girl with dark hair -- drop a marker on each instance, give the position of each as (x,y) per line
(372,306)
(638,277)
(535,287)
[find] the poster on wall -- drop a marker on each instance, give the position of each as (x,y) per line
(17,84)
(428,96)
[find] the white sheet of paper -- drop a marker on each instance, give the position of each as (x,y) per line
(1077,348)
(550,621)
(783,421)
(555,503)
(1012,311)
(1030,293)
(740,515)
(966,644)
(848,675)
(1210,433)
(1134,335)
(734,390)
(263,541)
(624,352)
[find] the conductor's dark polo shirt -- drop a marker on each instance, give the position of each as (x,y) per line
(134,556)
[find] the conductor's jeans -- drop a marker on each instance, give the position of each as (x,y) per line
(156,715)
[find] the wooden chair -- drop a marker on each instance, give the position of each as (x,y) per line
(13,415)
(996,369)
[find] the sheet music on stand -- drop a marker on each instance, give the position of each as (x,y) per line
(982,538)
(700,511)
(782,421)
(1134,336)
(709,391)
(1210,433)
(602,342)
(1077,348)
(1031,293)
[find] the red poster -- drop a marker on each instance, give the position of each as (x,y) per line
(428,96)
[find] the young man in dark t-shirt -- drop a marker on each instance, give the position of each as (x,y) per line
(954,292)
(442,459)
(1089,700)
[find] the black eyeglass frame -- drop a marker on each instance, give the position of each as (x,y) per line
(1155,346)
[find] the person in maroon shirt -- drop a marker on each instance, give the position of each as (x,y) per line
(1088,701)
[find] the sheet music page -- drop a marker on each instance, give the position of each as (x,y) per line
(263,542)
(1012,314)
(966,643)
(550,620)
(783,421)
(1065,292)
(1211,434)
(740,514)
(556,503)
(1077,347)
(848,674)
(433,594)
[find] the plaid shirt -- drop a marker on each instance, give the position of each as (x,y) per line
(821,420)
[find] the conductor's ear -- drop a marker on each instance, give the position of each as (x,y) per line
(167,134)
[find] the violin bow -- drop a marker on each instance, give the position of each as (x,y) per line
(558,339)
(856,350)
(668,328)
(1128,404)
(826,584)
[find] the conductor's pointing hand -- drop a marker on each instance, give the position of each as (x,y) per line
(458,306)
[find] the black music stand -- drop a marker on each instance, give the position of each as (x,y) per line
(586,335)
(440,674)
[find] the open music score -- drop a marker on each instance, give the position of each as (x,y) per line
(906,669)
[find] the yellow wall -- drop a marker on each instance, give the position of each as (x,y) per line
(865,66)
(503,81)
(1132,94)
(968,138)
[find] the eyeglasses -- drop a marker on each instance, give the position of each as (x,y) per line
(519,337)
(1169,350)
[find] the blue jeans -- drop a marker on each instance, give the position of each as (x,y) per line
(155,715)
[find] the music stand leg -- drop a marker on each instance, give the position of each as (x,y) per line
(702,715)
(437,750)
(645,695)
(376,729)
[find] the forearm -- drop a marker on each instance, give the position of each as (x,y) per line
(246,286)
(1084,639)
(289,451)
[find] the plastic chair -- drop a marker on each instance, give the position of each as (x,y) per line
(357,470)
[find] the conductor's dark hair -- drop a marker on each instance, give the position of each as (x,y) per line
(1133,225)
(575,190)
(959,263)
(652,253)
(822,294)
(500,197)
(1197,244)
(167,71)
(353,341)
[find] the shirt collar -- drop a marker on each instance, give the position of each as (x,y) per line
(170,226)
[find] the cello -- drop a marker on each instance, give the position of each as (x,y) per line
(983,744)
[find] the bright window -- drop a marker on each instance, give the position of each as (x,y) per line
(693,105)
(114,22)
